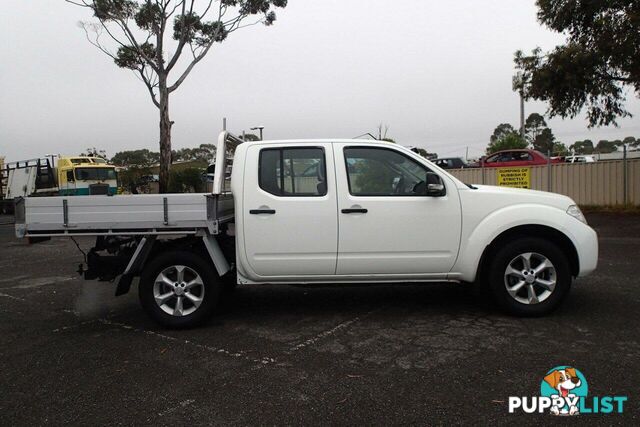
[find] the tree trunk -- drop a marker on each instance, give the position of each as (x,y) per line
(165,136)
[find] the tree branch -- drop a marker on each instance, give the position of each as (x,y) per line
(150,85)
(193,63)
(181,43)
(95,43)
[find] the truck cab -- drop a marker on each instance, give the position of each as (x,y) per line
(324,211)
(85,175)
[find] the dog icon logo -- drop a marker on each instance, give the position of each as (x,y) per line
(565,386)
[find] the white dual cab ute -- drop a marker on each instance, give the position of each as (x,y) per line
(320,212)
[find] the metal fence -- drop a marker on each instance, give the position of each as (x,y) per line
(604,183)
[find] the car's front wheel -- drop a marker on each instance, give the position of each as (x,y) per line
(179,289)
(529,277)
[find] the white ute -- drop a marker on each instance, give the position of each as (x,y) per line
(323,211)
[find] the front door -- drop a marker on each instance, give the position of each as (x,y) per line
(388,224)
(290,222)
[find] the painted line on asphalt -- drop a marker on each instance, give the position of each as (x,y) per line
(13,279)
(329,332)
(235,354)
(86,322)
(42,282)
(12,297)
(180,405)
(75,325)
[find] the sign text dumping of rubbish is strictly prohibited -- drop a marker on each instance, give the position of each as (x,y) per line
(514,177)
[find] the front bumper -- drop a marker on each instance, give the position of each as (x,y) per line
(586,243)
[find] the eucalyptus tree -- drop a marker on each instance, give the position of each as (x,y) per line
(163,40)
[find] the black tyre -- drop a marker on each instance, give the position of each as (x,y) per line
(179,289)
(529,277)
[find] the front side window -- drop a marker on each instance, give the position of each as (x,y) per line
(384,172)
(293,171)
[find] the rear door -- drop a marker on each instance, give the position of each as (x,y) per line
(290,205)
(388,225)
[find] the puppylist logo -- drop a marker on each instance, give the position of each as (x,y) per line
(563,391)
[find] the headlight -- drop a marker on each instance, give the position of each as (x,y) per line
(575,212)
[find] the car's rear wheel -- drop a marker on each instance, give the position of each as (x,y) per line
(179,289)
(529,277)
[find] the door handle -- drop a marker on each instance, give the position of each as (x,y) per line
(262,211)
(354,210)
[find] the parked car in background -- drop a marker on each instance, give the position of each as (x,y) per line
(517,158)
(580,159)
(451,163)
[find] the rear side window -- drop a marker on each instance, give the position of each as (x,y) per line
(293,171)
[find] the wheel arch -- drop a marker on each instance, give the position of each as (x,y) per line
(530,230)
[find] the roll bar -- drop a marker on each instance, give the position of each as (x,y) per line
(227,144)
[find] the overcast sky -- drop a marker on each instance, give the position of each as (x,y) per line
(437,73)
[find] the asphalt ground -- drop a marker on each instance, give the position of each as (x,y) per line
(72,353)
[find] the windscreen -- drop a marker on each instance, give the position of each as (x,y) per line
(95,174)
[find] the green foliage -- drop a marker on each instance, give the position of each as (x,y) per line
(544,141)
(133,177)
(189,180)
(110,10)
(205,153)
(592,70)
(505,137)
(559,149)
(509,141)
(533,126)
(149,17)
(502,130)
(605,146)
(582,147)
(137,158)
(132,58)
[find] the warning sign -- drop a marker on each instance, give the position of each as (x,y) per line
(514,177)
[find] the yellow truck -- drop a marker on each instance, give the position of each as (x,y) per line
(82,176)
(72,176)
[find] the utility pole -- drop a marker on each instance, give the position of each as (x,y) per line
(522,116)
(518,83)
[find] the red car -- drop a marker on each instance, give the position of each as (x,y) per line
(516,158)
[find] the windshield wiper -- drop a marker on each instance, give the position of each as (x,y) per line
(471,186)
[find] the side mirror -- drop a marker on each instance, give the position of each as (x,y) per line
(435,186)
